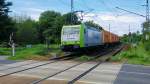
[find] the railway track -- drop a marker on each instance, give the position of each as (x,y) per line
(92,68)
(53,60)
(18,66)
(81,75)
(56,58)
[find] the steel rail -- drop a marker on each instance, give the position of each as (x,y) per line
(38,81)
(54,60)
(95,66)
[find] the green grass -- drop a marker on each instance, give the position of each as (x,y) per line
(84,58)
(37,52)
(5,51)
(134,56)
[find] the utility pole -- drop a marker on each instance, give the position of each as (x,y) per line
(147,10)
(129,34)
(147,30)
(72,11)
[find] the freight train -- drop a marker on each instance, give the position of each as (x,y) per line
(75,37)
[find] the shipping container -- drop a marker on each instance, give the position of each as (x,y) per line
(109,37)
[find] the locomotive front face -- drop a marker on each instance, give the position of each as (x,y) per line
(70,37)
(71,34)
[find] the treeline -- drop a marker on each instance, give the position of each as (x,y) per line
(133,38)
(139,38)
(28,31)
(47,29)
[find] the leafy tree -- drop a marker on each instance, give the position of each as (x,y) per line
(68,21)
(6,23)
(48,26)
(132,38)
(146,31)
(125,38)
(27,32)
(58,25)
(20,18)
(91,23)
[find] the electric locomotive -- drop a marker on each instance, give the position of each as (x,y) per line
(74,37)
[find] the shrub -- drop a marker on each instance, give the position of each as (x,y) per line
(85,58)
(42,52)
(147,46)
(4,44)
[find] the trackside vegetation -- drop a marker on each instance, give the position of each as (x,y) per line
(36,52)
(85,58)
(5,51)
(134,55)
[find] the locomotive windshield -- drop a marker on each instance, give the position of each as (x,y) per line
(71,30)
(70,33)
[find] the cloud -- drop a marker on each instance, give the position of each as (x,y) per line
(34,13)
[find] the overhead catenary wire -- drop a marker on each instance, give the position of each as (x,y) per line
(130,12)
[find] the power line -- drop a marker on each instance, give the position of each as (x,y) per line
(145,30)
(130,12)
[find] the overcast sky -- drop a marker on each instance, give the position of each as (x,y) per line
(104,12)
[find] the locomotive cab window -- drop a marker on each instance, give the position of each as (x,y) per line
(71,30)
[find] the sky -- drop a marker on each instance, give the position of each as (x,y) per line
(104,12)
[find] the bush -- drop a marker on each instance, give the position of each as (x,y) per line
(85,58)
(42,52)
(4,44)
(136,55)
(147,46)
(5,51)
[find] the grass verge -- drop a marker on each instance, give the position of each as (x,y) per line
(85,58)
(133,55)
(5,51)
(36,52)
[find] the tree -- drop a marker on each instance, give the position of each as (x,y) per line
(58,24)
(27,32)
(92,24)
(132,38)
(6,23)
(125,38)
(50,25)
(146,31)
(68,21)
